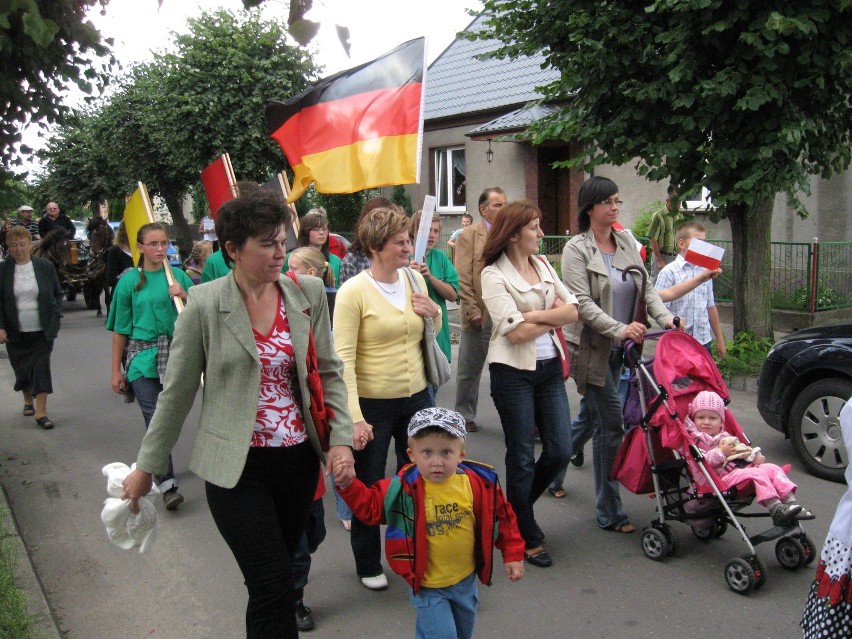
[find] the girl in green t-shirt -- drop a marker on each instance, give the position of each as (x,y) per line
(142,318)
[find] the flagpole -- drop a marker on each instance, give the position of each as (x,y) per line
(285,189)
(232,179)
(170,278)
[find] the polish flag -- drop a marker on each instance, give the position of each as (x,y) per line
(639,246)
(704,254)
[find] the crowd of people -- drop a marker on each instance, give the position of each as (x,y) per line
(264,343)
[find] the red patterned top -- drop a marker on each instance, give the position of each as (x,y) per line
(279,413)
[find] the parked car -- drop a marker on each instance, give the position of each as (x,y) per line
(805,381)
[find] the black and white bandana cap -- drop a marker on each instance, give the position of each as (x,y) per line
(443,418)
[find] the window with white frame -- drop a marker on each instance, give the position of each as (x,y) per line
(697,200)
(450,179)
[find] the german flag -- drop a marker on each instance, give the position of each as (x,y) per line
(357,129)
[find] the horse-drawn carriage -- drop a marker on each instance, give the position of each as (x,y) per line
(79,263)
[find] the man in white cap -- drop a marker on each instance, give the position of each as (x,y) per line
(25,219)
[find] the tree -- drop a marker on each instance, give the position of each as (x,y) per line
(747,99)
(172,117)
(44,47)
(47,46)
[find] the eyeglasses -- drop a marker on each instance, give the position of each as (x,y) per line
(156,245)
(321,229)
(611,201)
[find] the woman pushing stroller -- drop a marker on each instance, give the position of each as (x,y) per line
(735,461)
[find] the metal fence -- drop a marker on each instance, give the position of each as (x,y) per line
(806,277)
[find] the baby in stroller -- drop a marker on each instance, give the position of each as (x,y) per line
(735,461)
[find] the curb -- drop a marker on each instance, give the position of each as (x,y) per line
(25,577)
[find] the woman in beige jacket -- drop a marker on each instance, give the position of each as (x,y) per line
(592,266)
(527,303)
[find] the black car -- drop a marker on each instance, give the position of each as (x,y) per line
(804,383)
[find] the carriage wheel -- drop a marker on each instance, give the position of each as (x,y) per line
(740,576)
(654,544)
(790,553)
(70,293)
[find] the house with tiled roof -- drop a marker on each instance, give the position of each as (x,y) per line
(476,110)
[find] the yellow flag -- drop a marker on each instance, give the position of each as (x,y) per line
(137,213)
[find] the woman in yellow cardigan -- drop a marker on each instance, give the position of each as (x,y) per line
(378,327)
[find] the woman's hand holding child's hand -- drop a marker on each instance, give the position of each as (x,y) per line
(344,472)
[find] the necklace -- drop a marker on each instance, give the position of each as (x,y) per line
(388,291)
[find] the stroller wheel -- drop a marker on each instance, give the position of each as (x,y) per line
(672,539)
(790,553)
(655,545)
(759,570)
(706,532)
(721,527)
(808,545)
(740,576)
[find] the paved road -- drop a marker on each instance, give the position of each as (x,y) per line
(189,587)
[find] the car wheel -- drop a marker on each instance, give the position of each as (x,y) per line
(815,427)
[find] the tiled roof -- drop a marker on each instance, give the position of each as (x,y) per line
(457,83)
(516,120)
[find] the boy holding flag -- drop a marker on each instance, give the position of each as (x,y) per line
(697,309)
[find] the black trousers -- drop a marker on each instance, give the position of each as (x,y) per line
(262,519)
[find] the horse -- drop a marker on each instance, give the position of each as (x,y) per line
(68,257)
(100,236)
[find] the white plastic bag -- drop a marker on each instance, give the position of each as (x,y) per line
(126,529)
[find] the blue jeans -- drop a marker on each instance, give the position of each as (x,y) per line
(343,509)
(526,399)
(446,613)
(389,418)
(147,391)
(605,410)
(581,428)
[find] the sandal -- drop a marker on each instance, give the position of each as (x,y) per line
(29,410)
(625,528)
(558,493)
(44,422)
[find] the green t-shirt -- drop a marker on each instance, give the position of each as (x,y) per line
(662,228)
(333,262)
(145,314)
(441,267)
(214,267)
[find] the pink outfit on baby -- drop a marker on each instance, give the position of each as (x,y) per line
(770,481)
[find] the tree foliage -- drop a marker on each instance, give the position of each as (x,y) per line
(170,118)
(45,47)
(747,99)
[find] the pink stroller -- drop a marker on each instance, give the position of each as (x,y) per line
(658,456)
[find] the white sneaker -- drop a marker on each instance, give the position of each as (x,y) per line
(379,582)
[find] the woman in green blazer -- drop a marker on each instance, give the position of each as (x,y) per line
(256,446)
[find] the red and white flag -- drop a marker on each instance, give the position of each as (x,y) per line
(704,254)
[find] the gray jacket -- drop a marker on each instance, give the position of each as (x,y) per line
(585,274)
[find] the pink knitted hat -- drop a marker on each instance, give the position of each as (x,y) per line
(708,400)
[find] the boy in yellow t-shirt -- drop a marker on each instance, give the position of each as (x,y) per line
(442,513)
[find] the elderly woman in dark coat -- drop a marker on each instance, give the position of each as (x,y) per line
(30,303)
